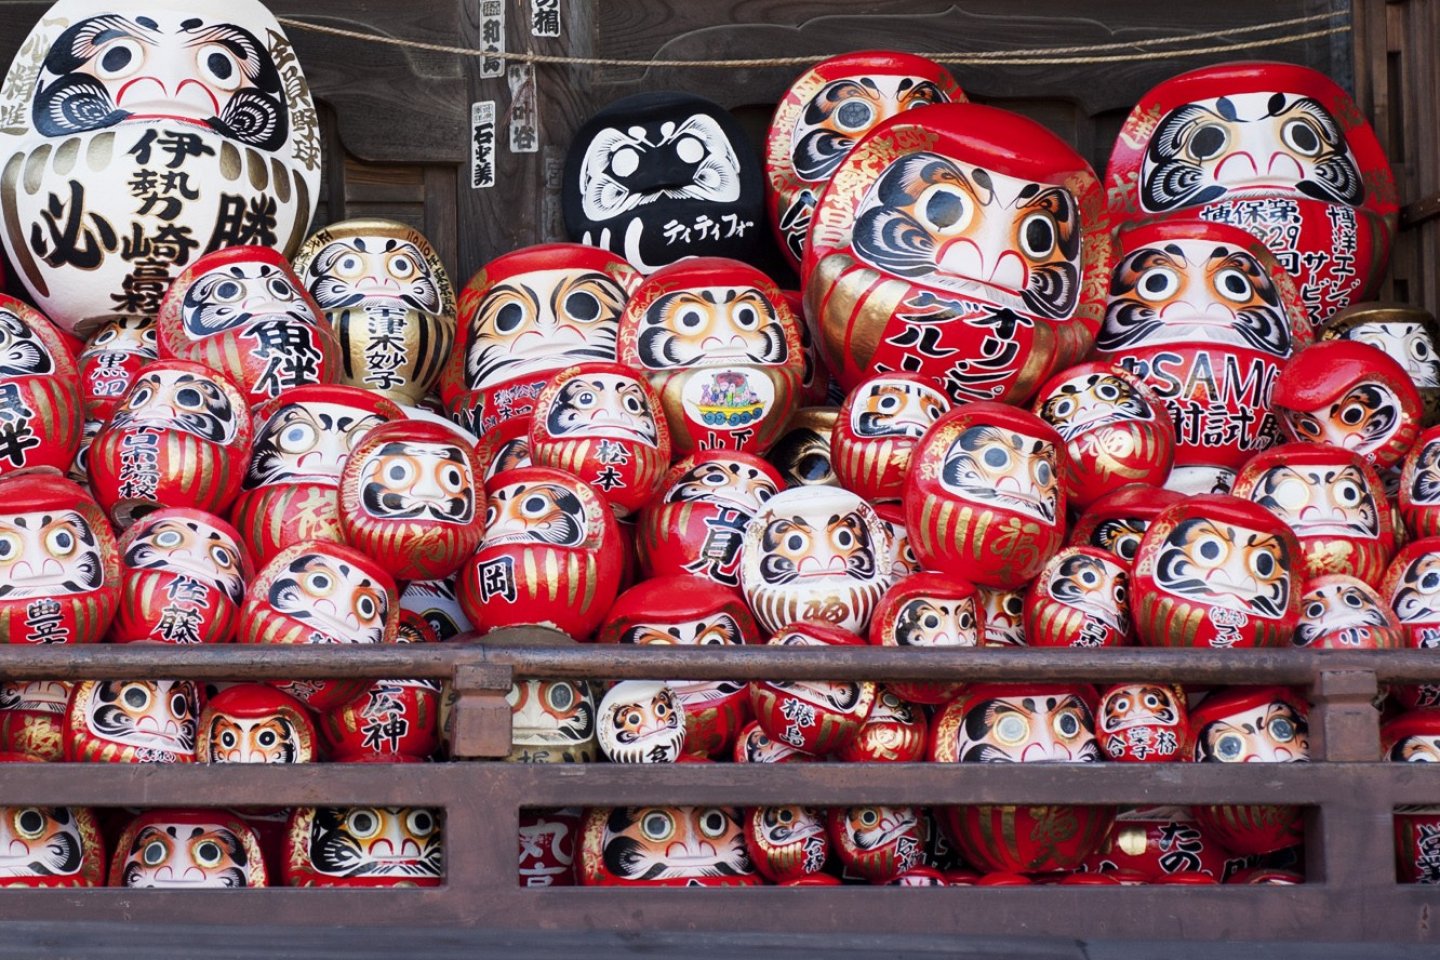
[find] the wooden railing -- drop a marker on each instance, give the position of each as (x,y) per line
(1351,893)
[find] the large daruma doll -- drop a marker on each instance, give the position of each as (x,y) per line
(824,114)
(1217,571)
(1276,149)
(964,243)
(150,133)
(984,499)
(721,347)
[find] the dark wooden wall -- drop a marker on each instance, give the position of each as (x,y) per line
(397,121)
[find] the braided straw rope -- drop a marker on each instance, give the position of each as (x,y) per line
(1037,56)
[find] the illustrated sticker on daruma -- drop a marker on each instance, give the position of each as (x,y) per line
(388,300)
(815,554)
(721,347)
(1217,571)
(984,499)
(824,114)
(1274,148)
(149,134)
(964,243)
(1206,317)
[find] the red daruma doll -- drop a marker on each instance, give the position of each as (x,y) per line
(244,312)
(984,499)
(318,592)
(41,418)
(550,556)
(185,575)
(719,344)
(877,430)
(603,423)
(303,437)
(180,438)
(411,498)
(967,244)
(59,565)
(1217,571)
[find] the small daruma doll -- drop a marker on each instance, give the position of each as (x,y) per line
(318,592)
(43,417)
(188,850)
(928,610)
(1022,723)
(364,847)
(1277,149)
(1408,335)
(696,523)
(388,299)
(1080,599)
(878,843)
(641,721)
(1333,501)
(60,576)
(719,344)
(786,843)
(603,423)
(111,359)
(243,311)
(1418,497)
(51,847)
(1353,396)
(1206,317)
(1412,737)
(824,114)
(1217,571)
(32,717)
(411,498)
(1340,612)
(1251,725)
(815,554)
(964,243)
(132,721)
(255,723)
(525,316)
(180,438)
(877,430)
(1143,723)
(550,555)
(185,574)
(290,490)
(816,717)
(1117,522)
(665,847)
(984,499)
(1115,430)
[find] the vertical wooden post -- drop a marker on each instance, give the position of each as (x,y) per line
(480,717)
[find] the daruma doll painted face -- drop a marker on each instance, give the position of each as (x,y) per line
(180,438)
(826,111)
(1217,571)
(928,609)
(255,723)
(1206,317)
(665,847)
(364,847)
(1408,335)
(964,243)
(1333,501)
(1276,149)
(242,311)
(525,316)
(303,437)
(411,496)
(158,131)
(1342,612)
(386,296)
(815,554)
(550,555)
(603,423)
(720,345)
(984,500)
(1117,521)
(59,564)
(877,430)
(40,395)
(188,850)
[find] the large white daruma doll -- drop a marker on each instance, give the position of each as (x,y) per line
(136,137)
